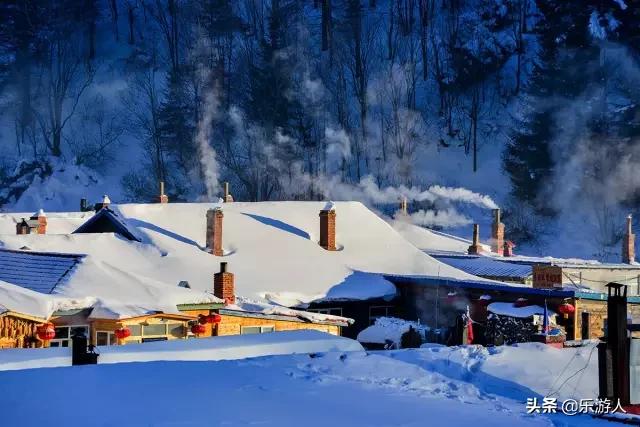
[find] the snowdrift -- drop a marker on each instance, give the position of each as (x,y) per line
(216,348)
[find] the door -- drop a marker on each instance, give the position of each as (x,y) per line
(584,329)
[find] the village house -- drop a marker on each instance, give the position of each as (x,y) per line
(295,265)
(524,282)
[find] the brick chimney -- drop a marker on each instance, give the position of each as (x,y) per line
(162,198)
(39,222)
(105,202)
(508,248)
(228,198)
(223,286)
(214,231)
(497,233)
(328,227)
(475,247)
(629,244)
(23,227)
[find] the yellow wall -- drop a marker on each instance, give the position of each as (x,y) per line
(232,325)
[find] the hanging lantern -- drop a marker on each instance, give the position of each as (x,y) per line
(214,318)
(521,302)
(484,300)
(566,309)
(46,332)
(198,329)
(202,319)
(122,333)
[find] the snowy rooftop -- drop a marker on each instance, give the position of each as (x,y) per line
(271,247)
(487,266)
(38,271)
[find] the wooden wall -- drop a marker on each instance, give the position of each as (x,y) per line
(16,332)
(232,325)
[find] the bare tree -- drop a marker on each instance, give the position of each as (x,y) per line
(64,79)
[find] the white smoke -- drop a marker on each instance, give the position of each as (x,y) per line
(207,153)
(442,218)
(338,142)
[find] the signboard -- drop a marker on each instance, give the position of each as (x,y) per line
(547,276)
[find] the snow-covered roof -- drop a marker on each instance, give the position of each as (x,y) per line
(38,271)
(432,241)
(487,266)
(508,309)
(14,298)
(271,247)
(107,219)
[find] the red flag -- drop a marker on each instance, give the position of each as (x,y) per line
(469,328)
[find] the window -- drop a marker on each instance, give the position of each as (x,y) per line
(380,311)
(245,330)
(64,334)
(331,311)
(176,330)
(105,338)
(136,330)
(154,329)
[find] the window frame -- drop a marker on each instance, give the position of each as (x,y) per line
(111,338)
(260,327)
(68,340)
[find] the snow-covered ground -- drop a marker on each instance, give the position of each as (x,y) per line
(449,386)
(217,348)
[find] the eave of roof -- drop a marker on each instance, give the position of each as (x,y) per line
(277,317)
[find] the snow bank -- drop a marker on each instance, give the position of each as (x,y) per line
(514,372)
(508,309)
(456,387)
(388,329)
(215,348)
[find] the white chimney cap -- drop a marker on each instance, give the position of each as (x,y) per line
(329,206)
(40,213)
(105,199)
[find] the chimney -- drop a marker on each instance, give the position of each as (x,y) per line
(162,198)
(497,233)
(214,231)
(228,198)
(223,286)
(328,227)
(629,244)
(22,227)
(102,204)
(39,222)
(403,206)
(475,247)
(508,248)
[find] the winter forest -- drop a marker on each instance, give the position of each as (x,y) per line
(532,105)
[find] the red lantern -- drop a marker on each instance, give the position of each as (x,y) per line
(566,309)
(46,332)
(215,318)
(122,333)
(521,302)
(198,329)
(202,319)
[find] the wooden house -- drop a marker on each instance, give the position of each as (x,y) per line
(235,321)
(19,330)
